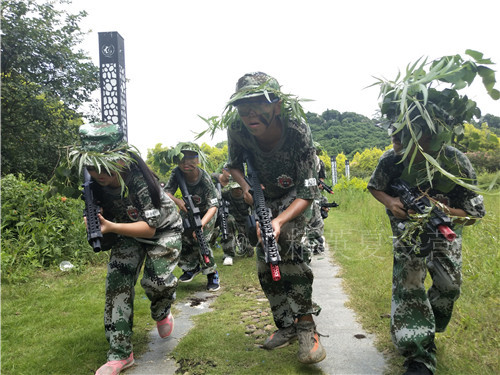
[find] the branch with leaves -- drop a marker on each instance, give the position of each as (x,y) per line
(290,108)
(413,105)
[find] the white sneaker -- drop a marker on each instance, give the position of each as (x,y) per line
(228,261)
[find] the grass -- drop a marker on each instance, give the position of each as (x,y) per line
(54,323)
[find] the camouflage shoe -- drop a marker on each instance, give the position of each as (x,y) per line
(281,338)
(310,348)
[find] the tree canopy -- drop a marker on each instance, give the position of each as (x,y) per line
(45,79)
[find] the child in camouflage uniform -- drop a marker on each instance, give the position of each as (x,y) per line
(200,186)
(284,157)
(239,210)
(417,314)
(147,229)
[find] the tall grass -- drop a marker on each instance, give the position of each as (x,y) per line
(359,236)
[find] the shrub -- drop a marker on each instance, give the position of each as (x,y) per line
(39,231)
(485,161)
(353,183)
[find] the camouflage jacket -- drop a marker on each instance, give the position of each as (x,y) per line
(203,191)
(291,164)
(238,208)
(388,170)
(136,204)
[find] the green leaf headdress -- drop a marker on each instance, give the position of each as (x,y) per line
(175,154)
(103,147)
(253,85)
(412,106)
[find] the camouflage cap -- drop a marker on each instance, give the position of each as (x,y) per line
(252,85)
(189,146)
(101,136)
(233,185)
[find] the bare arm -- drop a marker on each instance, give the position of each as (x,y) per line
(137,229)
(297,207)
(179,202)
(239,177)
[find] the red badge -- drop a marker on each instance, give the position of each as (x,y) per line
(285,181)
(133,213)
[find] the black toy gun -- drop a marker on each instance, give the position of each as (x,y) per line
(223,214)
(194,218)
(438,223)
(264,217)
(326,187)
(94,235)
(324,213)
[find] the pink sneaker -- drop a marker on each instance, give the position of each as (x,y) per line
(165,326)
(115,367)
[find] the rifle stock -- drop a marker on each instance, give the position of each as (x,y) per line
(264,217)
(194,217)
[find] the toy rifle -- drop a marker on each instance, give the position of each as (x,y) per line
(94,235)
(324,213)
(194,218)
(264,217)
(223,214)
(326,187)
(438,224)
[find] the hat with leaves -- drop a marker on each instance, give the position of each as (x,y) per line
(101,136)
(255,84)
(416,104)
(102,145)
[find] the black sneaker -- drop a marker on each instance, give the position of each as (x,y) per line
(213,282)
(417,368)
(189,275)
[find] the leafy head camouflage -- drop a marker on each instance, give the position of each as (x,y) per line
(102,146)
(175,154)
(255,84)
(101,137)
(414,107)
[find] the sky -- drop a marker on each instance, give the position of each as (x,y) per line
(183,58)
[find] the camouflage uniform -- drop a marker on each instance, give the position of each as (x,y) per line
(417,314)
(287,172)
(204,197)
(159,254)
(315,227)
(236,222)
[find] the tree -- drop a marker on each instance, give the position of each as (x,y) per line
(44,82)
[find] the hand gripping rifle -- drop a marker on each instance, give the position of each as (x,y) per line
(324,213)
(326,187)
(94,235)
(223,214)
(264,217)
(194,218)
(438,224)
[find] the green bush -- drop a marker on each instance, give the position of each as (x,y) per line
(351,183)
(39,231)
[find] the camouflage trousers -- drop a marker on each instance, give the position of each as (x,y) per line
(190,254)
(291,296)
(417,314)
(315,228)
(235,229)
(160,257)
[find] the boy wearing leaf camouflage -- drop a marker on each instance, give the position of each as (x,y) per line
(202,189)
(417,314)
(146,228)
(284,157)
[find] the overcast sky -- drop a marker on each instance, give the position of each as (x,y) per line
(183,58)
